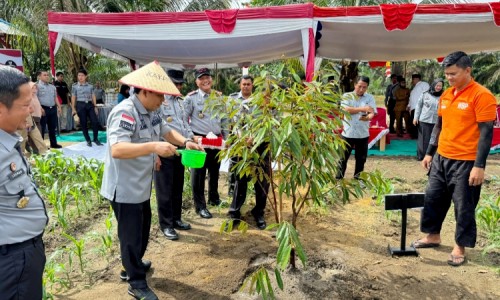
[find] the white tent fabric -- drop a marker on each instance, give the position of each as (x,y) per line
(188,40)
(360,33)
(250,36)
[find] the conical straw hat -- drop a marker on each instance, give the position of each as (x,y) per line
(151,77)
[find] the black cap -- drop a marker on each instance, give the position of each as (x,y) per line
(177,76)
(201,72)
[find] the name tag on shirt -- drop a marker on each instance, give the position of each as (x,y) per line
(126,125)
(16,174)
(156,120)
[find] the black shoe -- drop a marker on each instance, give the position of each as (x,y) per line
(89,143)
(261,222)
(204,213)
(146,264)
(170,234)
(97,143)
(216,202)
(56,146)
(181,225)
(144,293)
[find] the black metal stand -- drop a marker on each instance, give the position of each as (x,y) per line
(403,202)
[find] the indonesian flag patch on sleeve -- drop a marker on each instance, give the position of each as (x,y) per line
(127,122)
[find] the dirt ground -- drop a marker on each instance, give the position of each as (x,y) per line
(346,248)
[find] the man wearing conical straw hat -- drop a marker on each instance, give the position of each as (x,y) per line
(134,131)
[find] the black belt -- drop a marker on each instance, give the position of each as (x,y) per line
(5,249)
(48,107)
(85,102)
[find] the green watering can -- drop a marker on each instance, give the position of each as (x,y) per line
(192,158)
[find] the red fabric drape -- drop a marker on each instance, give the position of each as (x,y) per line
(495,8)
(52,46)
(376,64)
(310,60)
(222,21)
(397,16)
(144,18)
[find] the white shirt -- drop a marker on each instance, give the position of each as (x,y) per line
(353,126)
(417,91)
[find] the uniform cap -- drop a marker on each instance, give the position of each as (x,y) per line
(151,77)
(201,72)
(176,76)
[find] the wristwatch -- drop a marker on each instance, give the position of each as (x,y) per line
(187,141)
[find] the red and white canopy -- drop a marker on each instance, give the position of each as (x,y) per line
(241,37)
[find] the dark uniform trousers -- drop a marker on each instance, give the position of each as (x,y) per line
(449,179)
(392,114)
(212,164)
(21,266)
(361,146)
(134,223)
(261,189)
(412,129)
(232,176)
(424,136)
(85,111)
(169,183)
(49,121)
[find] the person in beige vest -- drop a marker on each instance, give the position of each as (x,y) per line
(32,133)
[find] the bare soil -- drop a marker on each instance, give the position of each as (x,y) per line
(346,248)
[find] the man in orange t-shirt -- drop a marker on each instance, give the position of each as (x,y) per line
(462,137)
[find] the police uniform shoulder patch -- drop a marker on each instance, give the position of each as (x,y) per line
(191,93)
(127,121)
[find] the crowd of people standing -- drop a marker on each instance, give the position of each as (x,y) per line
(146,129)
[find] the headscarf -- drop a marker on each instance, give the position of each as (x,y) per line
(432,90)
(35,103)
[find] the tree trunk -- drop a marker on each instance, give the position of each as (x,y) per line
(398,68)
(292,259)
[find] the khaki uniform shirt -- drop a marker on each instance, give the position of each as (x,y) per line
(129,180)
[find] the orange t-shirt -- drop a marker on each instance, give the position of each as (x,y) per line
(460,114)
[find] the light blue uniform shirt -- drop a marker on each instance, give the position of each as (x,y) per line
(18,224)
(355,128)
(202,121)
(130,179)
(173,113)
(427,108)
(46,93)
(82,92)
